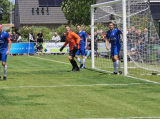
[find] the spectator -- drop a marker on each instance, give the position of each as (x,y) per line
(9,33)
(130,40)
(95,35)
(121,36)
(88,37)
(129,35)
(133,29)
(14,38)
(19,37)
(39,48)
(63,37)
(56,38)
(98,35)
(31,37)
(40,37)
(139,35)
(133,34)
(145,35)
(153,40)
(89,48)
(103,36)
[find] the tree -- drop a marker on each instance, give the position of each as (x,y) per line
(77,11)
(5,11)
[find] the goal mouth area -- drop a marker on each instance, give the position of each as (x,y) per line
(141,49)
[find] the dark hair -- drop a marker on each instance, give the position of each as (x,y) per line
(110,23)
(19,34)
(88,33)
(66,26)
(78,25)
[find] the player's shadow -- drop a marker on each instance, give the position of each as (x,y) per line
(101,72)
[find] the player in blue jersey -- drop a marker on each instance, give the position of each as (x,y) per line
(82,46)
(113,36)
(4,49)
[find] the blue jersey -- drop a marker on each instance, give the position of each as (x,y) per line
(83,37)
(114,37)
(4,38)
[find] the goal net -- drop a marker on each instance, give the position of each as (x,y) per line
(142,41)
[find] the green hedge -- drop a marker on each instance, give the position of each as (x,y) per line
(25,31)
(60,30)
(8,30)
(48,34)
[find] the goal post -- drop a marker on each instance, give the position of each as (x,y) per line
(92,37)
(124,37)
(124,31)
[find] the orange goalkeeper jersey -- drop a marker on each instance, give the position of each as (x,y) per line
(72,38)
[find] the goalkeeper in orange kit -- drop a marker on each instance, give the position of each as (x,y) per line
(73,40)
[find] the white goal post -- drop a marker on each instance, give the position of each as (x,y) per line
(124,31)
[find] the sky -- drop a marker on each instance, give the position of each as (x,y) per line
(12,1)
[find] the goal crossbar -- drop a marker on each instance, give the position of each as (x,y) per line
(110,3)
(106,3)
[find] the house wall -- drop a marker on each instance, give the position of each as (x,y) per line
(16,15)
(24,15)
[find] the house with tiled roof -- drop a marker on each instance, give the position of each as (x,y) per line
(48,13)
(38,13)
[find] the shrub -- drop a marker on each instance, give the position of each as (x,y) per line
(25,31)
(47,34)
(8,30)
(45,31)
(60,30)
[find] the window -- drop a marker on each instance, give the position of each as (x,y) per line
(50,3)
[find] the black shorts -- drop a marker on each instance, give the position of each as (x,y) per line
(73,52)
(40,40)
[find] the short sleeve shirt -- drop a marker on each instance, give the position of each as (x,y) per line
(114,37)
(4,38)
(83,37)
(40,35)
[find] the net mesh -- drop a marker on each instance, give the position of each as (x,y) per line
(143,43)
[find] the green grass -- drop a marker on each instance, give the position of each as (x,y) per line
(72,95)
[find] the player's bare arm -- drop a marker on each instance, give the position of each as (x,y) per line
(86,44)
(9,46)
(107,42)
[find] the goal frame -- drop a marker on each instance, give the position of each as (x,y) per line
(124,31)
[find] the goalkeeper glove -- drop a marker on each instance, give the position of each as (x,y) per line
(61,49)
(75,46)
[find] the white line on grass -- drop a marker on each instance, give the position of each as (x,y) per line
(57,86)
(100,70)
(133,77)
(149,74)
(127,118)
(50,60)
(123,67)
(144,80)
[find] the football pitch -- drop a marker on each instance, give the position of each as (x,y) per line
(42,87)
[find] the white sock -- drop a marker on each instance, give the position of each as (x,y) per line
(79,60)
(115,66)
(84,60)
(118,64)
(5,70)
